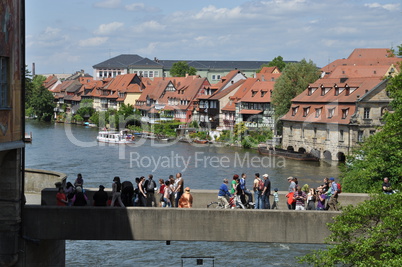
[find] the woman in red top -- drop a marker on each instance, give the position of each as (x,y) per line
(61,197)
(161,191)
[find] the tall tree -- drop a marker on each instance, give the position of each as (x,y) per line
(276,62)
(294,79)
(41,100)
(381,154)
(181,68)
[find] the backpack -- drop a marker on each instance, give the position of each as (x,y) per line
(339,188)
(261,185)
(151,186)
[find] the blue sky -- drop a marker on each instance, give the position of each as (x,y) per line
(66,36)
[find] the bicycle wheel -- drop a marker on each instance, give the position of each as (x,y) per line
(214,205)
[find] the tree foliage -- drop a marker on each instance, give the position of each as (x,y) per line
(181,68)
(86,109)
(381,154)
(369,234)
(39,101)
(294,79)
(276,62)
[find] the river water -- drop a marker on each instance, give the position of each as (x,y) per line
(73,149)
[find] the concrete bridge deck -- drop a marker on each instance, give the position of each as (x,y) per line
(107,223)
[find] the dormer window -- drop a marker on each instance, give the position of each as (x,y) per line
(324,90)
(311,90)
(263,93)
(318,112)
(306,111)
(331,112)
(294,110)
(253,93)
(345,113)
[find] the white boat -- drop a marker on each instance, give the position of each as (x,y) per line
(122,137)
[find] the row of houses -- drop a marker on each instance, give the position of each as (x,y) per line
(329,118)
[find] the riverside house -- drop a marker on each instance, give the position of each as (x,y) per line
(343,107)
(172,98)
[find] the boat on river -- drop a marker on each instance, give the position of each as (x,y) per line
(279,152)
(114,137)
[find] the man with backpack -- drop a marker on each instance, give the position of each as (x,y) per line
(333,201)
(150,186)
(258,187)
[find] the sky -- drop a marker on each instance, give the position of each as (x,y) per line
(65,36)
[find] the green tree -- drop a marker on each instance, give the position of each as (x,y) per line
(294,79)
(381,154)
(368,234)
(276,62)
(40,99)
(86,109)
(181,68)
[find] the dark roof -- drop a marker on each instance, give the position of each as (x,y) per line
(121,61)
(217,65)
(147,63)
(126,60)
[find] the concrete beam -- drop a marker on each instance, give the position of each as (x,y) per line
(106,223)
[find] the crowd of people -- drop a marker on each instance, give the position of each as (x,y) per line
(324,197)
(171,193)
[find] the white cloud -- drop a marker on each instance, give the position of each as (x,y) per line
(141,7)
(150,49)
(108,4)
(112,27)
(135,7)
(95,41)
(147,26)
(389,7)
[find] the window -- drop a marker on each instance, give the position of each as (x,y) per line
(151,74)
(4,103)
(315,132)
(360,136)
(291,130)
(294,110)
(327,134)
(318,112)
(345,113)
(311,90)
(331,112)
(324,90)
(306,111)
(253,93)
(213,77)
(218,77)
(366,114)
(341,135)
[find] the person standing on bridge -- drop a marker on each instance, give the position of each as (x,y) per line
(244,188)
(116,192)
(150,186)
(179,188)
(266,192)
(258,187)
(333,200)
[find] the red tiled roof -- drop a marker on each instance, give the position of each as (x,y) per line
(260,92)
(244,88)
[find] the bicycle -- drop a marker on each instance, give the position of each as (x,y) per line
(233,204)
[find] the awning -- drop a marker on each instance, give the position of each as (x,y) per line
(250,111)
